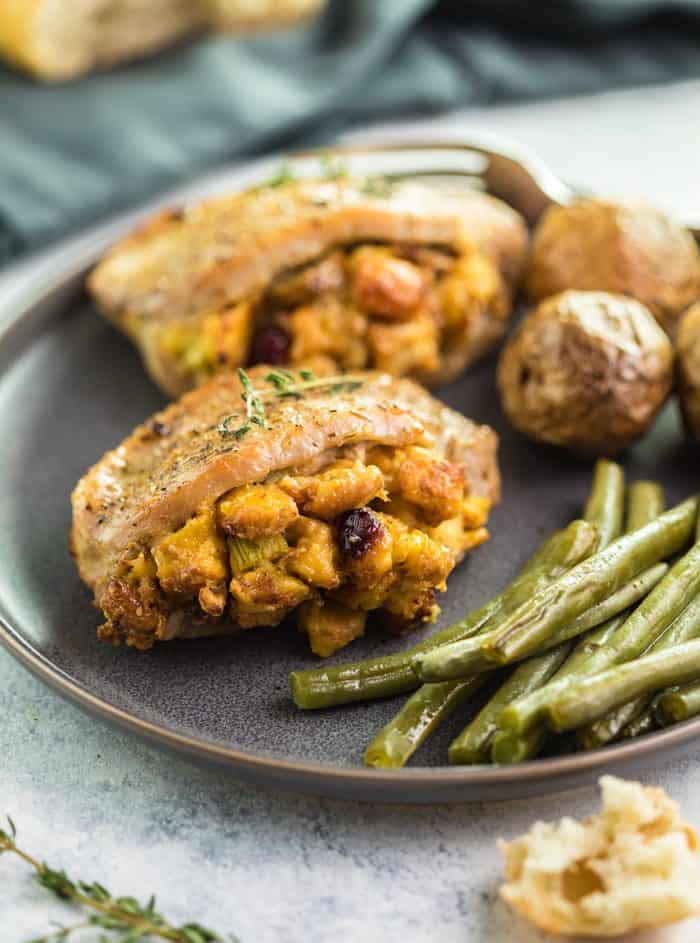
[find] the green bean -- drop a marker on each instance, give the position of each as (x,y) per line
(516,748)
(591,697)
(627,642)
(640,726)
(610,727)
(473,745)
(560,602)
(685,628)
(422,713)
(624,599)
(605,505)
(595,578)
(645,502)
(392,674)
(472,655)
(528,712)
(678,704)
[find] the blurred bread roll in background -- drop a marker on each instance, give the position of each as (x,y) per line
(259,14)
(63,39)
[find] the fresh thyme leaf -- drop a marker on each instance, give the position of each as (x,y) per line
(376,185)
(56,881)
(109,923)
(95,891)
(245,380)
(281,177)
(332,167)
(346,387)
(133,936)
(253,407)
(280,379)
(195,933)
(226,432)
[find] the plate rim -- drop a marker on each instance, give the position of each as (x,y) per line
(410,784)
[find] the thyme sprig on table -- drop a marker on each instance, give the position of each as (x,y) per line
(127,920)
(283,385)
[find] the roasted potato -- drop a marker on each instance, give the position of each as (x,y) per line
(586,370)
(688,365)
(621,247)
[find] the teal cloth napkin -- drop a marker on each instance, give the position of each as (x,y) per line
(70,154)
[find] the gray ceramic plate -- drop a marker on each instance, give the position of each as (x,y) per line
(70,388)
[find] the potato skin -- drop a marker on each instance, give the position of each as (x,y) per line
(620,247)
(688,369)
(587,371)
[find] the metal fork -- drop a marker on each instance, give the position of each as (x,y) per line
(499,166)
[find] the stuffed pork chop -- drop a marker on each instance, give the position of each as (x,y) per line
(411,280)
(268,493)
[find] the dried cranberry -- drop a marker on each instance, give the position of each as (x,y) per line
(358,531)
(271,345)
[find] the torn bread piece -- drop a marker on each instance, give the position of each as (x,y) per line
(330,273)
(269,494)
(631,867)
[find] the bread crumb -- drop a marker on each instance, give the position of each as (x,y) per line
(631,867)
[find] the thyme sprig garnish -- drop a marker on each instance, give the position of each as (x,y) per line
(254,409)
(127,920)
(283,385)
(377,185)
(332,166)
(280,178)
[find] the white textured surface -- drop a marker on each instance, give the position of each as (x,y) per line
(280,868)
